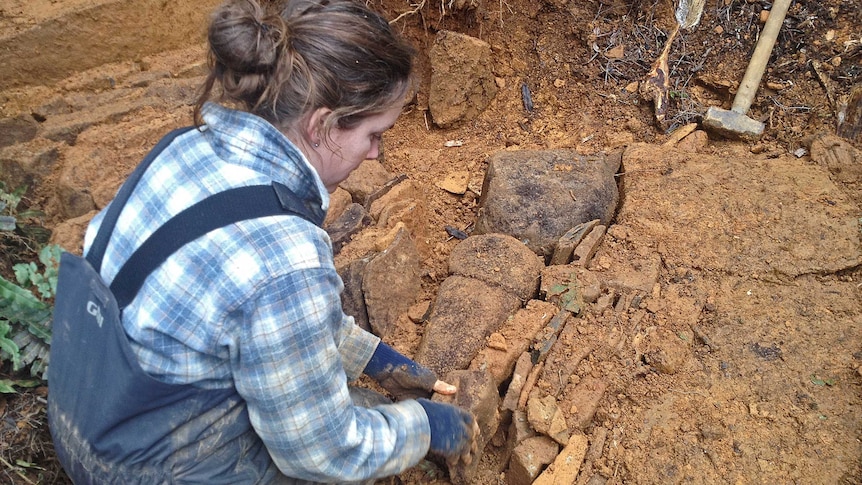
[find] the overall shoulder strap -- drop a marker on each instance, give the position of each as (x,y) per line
(100,243)
(216,211)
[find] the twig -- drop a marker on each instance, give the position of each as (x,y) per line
(802,109)
(529,384)
(405,14)
(18,472)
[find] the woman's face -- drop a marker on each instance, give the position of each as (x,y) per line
(335,158)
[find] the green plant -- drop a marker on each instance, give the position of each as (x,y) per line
(25,318)
(16,222)
(25,304)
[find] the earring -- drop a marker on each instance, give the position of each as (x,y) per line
(316,145)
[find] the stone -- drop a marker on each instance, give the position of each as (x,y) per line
(462,79)
(499,260)
(519,377)
(850,127)
(545,340)
(569,241)
(663,350)
(338,202)
(842,159)
(518,333)
(352,299)
(478,394)
(546,418)
(497,341)
(679,134)
(584,252)
(391,284)
(73,194)
(20,129)
(529,459)
(418,312)
(28,164)
(464,314)
(351,221)
(694,142)
(519,428)
(584,399)
(455,183)
(367,179)
(563,360)
(536,196)
(69,234)
(399,202)
(565,468)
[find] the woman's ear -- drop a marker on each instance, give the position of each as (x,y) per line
(314,125)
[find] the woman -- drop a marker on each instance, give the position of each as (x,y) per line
(231,363)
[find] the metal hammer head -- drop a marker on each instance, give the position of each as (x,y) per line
(732,124)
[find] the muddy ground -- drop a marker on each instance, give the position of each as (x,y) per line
(756,272)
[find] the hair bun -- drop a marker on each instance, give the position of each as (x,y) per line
(245,38)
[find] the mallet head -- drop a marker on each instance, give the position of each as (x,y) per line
(731,124)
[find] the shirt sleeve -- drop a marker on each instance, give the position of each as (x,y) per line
(356,347)
(292,369)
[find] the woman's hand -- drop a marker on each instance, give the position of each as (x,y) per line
(402,377)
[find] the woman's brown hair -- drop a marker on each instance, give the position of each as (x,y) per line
(282,59)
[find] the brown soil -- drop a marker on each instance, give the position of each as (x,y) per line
(769,389)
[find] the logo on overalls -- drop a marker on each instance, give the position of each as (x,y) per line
(96,311)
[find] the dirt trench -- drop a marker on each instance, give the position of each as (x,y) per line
(752,297)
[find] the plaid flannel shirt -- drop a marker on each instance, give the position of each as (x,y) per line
(256,306)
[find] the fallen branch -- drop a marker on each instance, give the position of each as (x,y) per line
(657,82)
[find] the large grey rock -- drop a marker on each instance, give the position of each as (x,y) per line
(492,275)
(462,80)
(537,196)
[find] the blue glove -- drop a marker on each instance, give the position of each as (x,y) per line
(453,431)
(402,377)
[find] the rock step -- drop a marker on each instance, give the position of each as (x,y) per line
(80,38)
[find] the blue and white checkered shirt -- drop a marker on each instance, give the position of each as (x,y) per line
(256,306)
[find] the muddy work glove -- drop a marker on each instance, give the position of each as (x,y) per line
(454,432)
(402,377)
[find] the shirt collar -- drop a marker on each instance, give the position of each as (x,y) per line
(248,140)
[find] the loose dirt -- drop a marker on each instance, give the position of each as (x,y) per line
(762,382)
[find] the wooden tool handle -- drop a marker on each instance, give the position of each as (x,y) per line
(754,72)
